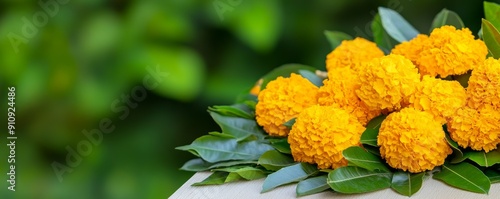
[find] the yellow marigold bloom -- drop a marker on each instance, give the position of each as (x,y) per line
(479,130)
(256,88)
(413,141)
(352,53)
(451,52)
(439,97)
(282,100)
(484,85)
(411,49)
(339,91)
(386,83)
(321,133)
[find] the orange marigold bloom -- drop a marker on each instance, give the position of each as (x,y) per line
(321,133)
(282,100)
(411,49)
(386,83)
(352,53)
(413,141)
(484,85)
(339,91)
(479,130)
(451,52)
(439,97)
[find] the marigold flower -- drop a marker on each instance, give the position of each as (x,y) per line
(339,91)
(321,133)
(411,49)
(352,53)
(386,83)
(439,97)
(282,100)
(451,52)
(484,85)
(413,141)
(479,130)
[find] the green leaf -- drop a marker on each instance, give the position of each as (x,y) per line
(357,180)
(312,185)
(458,155)
(359,157)
(491,37)
(406,183)
(199,164)
(235,110)
(312,77)
(288,175)
(447,17)
(274,160)
(463,79)
(492,13)
(464,176)
(484,159)
(215,178)
(396,26)
(245,172)
(380,36)
(240,128)
(335,37)
(493,175)
(215,149)
(372,149)
(281,145)
(284,71)
(290,123)
(376,122)
(369,136)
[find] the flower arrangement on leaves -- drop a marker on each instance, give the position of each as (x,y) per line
(385,114)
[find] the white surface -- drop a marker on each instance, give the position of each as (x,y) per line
(251,189)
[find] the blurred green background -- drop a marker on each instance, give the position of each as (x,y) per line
(77,65)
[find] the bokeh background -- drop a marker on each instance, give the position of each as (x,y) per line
(75,67)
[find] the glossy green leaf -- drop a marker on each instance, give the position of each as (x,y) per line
(492,13)
(372,149)
(357,180)
(493,175)
(284,71)
(464,176)
(274,160)
(447,17)
(369,137)
(288,175)
(290,123)
(199,164)
(485,159)
(357,156)
(335,38)
(312,77)
(380,36)
(281,145)
(215,149)
(396,26)
(376,122)
(458,155)
(235,110)
(240,128)
(407,183)
(215,178)
(491,37)
(244,172)
(312,185)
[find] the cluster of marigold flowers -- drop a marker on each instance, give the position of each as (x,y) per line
(407,85)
